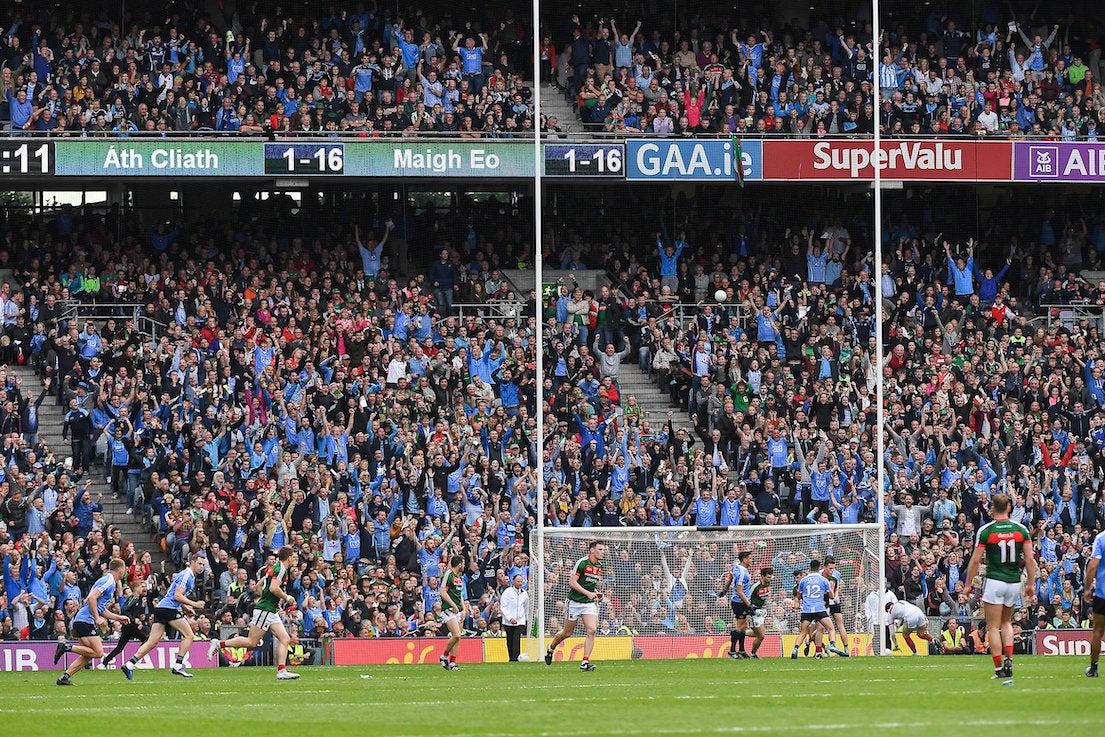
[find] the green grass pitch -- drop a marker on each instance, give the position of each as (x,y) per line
(861,696)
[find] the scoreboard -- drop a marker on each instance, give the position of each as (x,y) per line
(645,159)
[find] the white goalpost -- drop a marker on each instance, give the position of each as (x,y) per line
(661,584)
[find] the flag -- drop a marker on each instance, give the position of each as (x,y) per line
(738,164)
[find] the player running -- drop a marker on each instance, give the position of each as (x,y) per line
(1006,546)
(740,579)
(760,591)
(170,612)
(455,608)
(583,598)
(92,614)
(266,615)
(1095,594)
(912,619)
(812,590)
(836,612)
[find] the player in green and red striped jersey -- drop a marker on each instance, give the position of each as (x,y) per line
(455,608)
(760,591)
(583,599)
(266,614)
(1006,546)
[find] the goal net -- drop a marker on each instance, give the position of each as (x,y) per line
(661,584)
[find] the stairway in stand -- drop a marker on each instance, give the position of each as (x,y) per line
(50,420)
(653,401)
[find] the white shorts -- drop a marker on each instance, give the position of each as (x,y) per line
(451,616)
(1001,592)
(758,616)
(264,620)
(577,609)
(915,623)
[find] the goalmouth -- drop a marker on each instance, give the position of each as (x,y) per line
(661,584)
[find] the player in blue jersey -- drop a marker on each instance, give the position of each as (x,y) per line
(812,590)
(170,612)
(740,579)
(89,619)
(1095,595)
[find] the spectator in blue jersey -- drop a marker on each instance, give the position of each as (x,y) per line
(960,270)
(989,282)
(471,57)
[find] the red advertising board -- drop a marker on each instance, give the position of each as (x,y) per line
(403,651)
(899,159)
(1063,642)
(667,647)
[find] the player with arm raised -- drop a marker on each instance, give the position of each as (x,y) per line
(836,612)
(811,591)
(740,579)
(92,614)
(266,614)
(760,591)
(583,598)
(912,619)
(170,612)
(1006,546)
(455,608)
(1095,595)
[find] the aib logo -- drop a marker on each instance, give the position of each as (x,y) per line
(413,655)
(1043,162)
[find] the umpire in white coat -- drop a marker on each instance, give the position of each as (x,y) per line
(514,605)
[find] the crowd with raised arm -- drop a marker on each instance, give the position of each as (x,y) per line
(987,391)
(366,72)
(299,391)
(997,75)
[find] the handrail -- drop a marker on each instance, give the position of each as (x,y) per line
(76,310)
(1071,313)
(501,309)
(684,311)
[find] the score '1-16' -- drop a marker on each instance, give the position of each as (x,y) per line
(328,159)
(606,160)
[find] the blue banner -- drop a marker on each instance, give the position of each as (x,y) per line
(691,161)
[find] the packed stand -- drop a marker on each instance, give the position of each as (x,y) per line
(779,378)
(305,391)
(997,76)
(364,72)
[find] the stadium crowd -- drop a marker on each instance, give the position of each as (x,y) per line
(936,72)
(779,380)
(305,391)
(366,72)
